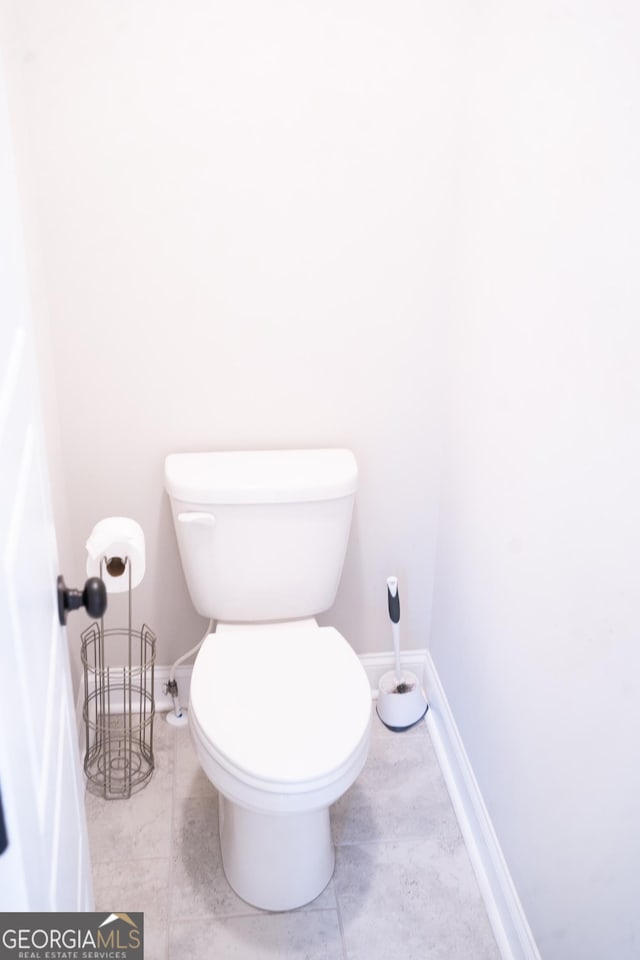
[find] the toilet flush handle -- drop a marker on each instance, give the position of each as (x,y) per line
(201,518)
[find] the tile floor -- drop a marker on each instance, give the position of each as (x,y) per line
(403,886)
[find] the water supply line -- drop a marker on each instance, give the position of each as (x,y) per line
(178,717)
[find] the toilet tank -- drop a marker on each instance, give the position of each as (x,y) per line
(262,534)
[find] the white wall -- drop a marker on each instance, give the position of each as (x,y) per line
(239,206)
(536,611)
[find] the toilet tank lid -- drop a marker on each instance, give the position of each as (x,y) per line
(261,476)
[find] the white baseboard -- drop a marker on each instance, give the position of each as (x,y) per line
(375,664)
(511,929)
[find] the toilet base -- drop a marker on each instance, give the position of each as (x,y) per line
(275,861)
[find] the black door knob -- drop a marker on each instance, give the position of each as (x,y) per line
(93,598)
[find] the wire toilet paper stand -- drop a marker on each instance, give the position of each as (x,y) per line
(119,707)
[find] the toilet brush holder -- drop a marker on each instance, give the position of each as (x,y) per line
(400,705)
(401,702)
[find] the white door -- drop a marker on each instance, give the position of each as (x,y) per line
(45,865)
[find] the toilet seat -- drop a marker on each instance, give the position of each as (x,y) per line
(282,708)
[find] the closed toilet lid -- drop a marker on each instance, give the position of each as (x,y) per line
(281,705)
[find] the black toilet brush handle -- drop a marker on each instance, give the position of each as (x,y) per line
(393,598)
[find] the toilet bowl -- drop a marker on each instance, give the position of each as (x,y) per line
(280,717)
(280,708)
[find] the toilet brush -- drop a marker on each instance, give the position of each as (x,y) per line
(401,702)
(393,600)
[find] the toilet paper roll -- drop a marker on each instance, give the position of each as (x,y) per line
(116,542)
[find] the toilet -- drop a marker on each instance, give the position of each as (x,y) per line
(280,707)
